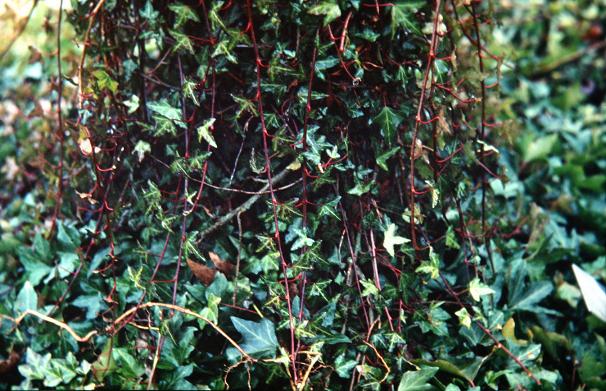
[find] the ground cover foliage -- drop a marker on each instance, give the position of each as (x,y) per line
(337,194)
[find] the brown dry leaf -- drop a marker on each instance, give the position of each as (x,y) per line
(10,363)
(223,266)
(443,127)
(203,273)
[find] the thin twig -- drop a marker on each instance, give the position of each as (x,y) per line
(242,208)
(238,258)
(130,311)
(59,197)
(56,322)
(91,21)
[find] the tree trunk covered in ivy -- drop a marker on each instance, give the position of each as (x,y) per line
(286,194)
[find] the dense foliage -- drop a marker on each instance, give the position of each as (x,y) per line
(305,194)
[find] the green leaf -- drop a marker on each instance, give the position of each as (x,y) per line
(431,266)
(93,304)
(42,247)
(189,90)
(165,109)
(402,15)
(533,295)
(132,104)
(141,148)
(330,10)
(540,148)
(127,364)
(68,262)
(391,239)
(464,318)
(360,188)
(183,14)
(344,366)
(27,299)
(204,132)
(451,239)
(35,269)
(382,159)
(105,364)
(211,311)
(369,288)
(68,235)
(36,365)
(259,337)
(182,42)
(104,81)
(417,380)
(149,13)
(464,368)
(477,289)
(389,121)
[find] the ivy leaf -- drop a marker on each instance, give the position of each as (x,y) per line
(343,366)
(389,121)
(464,318)
(532,296)
(149,13)
(360,188)
(417,380)
(431,266)
(370,289)
(259,337)
(525,297)
(183,14)
(211,311)
(330,10)
(402,15)
(451,239)
(104,81)
(68,235)
(141,148)
(165,109)
(93,304)
(68,261)
(35,269)
(189,90)
(182,42)
(477,289)
(164,126)
(204,132)
(27,299)
(132,104)
(391,239)
(464,368)
(540,148)
(127,364)
(105,363)
(382,159)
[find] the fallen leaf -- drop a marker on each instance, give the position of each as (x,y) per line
(223,266)
(10,363)
(203,273)
(593,293)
